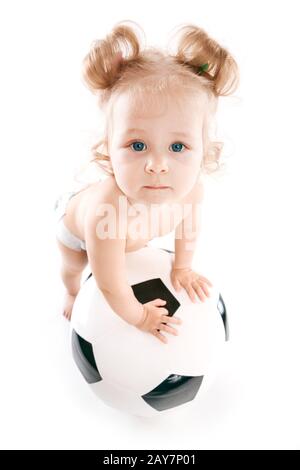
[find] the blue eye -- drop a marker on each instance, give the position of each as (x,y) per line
(177,147)
(137,146)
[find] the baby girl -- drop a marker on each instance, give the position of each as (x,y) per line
(158,110)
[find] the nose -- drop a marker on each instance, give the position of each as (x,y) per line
(155,166)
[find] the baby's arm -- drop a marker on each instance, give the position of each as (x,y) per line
(107,262)
(186,235)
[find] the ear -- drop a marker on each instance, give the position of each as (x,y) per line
(105,147)
(212,155)
(107,157)
(101,157)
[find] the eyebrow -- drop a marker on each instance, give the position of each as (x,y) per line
(134,129)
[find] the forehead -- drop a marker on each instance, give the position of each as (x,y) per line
(170,110)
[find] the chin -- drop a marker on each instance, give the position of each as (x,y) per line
(158,198)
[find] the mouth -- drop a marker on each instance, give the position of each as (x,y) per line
(156,187)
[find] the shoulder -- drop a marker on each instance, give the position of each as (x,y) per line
(107,191)
(106,199)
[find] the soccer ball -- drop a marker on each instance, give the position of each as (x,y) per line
(132,370)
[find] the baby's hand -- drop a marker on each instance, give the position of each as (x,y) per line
(192,282)
(156,318)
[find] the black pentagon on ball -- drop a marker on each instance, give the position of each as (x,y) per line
(84,357)
(174,391)
(222,310)
(155,289)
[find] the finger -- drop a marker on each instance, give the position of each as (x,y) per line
(169,329)
(160,336)
(205,289)
(176,285)
(206,280)
(159,302)
(164,311)
(199,291)
(191,293)
(168,319)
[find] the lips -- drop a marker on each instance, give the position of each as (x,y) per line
(156,187)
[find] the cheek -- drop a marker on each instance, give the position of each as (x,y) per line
(185,166)
(126,177)
(185,176)
(126,162)
(130,168)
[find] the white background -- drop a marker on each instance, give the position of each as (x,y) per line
(249,240)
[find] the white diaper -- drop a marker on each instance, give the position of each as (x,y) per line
(63,234)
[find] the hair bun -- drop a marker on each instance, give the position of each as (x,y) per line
(196,48)
(104,62)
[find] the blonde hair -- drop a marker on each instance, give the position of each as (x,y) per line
(119,63)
